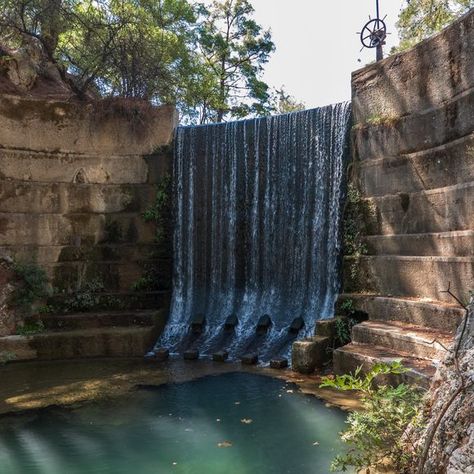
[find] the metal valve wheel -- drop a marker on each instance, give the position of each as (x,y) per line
(374,33)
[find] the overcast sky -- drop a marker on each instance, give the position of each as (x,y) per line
(317,47)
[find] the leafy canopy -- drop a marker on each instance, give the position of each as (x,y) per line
(422,18)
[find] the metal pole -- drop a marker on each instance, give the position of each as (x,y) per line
(379,49)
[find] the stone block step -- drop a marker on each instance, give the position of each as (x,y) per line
(423,343)
(112,301)
(438,167)
(419,277)
(348,358)
(430,128)
(50,254)
(112,276)
(58,229)
(101,342)
(67,198)
(430,314)
(455,243)
(59,167)
(438,210)
(69,322)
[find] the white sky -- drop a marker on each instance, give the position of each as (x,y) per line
(316,44)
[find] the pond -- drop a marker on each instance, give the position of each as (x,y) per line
(234,423)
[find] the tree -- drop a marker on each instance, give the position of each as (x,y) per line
(422,18)
(234,50)
(286,103)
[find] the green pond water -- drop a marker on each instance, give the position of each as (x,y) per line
(235,423)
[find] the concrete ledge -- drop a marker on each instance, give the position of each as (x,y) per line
(62,198)
(429,74)
(439,210)
(459,243)
(419,342)
(446,165)
(95,127)
(437,315)
(417,132)
(73,229)
(348,358)
(103,342)
(420,277)
(49,254)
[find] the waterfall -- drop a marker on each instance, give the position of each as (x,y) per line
(257,206)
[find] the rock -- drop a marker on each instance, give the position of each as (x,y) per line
(162,354)
(309,354)
(9,318)
(249,359)
(220,356)
(197,324)
(296,325)
(280,363)
(230,323)
(452,448)
(264,324)
(191,355)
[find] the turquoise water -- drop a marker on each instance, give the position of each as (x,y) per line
(228,424)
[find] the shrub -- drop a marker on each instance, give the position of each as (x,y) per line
(34,285)
(377,432)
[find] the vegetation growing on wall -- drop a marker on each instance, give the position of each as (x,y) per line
(159,213)
(33,286)
(356,213)
(378,432)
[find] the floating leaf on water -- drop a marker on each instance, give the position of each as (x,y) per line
(218,419)
(246,421)
(315,443)
(289,391)
(224,444)
(237,403)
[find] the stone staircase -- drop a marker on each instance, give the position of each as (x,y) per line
(107,334)
(413,150)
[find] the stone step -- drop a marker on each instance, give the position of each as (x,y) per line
(438,210)
(69,322)
(112,301)
(82,252)
(81,343)
(348,358)
(430,314)
(67,198)
(410,276)
(113,276)
(58,229)
(438,167)
(420,342)
(427,129)
(456,243)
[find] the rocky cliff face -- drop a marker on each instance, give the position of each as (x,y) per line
(449,435)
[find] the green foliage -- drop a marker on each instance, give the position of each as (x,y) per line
(88,297)
(356,213)
(422,18)
(33,285)
(284,103)
(343,327)
(347,306)
(207,59)
(234,50)
(31,328)
(159,214)
(378,431)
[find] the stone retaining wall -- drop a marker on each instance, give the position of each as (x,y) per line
(75,179)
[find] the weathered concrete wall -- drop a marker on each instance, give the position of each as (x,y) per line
(414,164)
(75,179)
